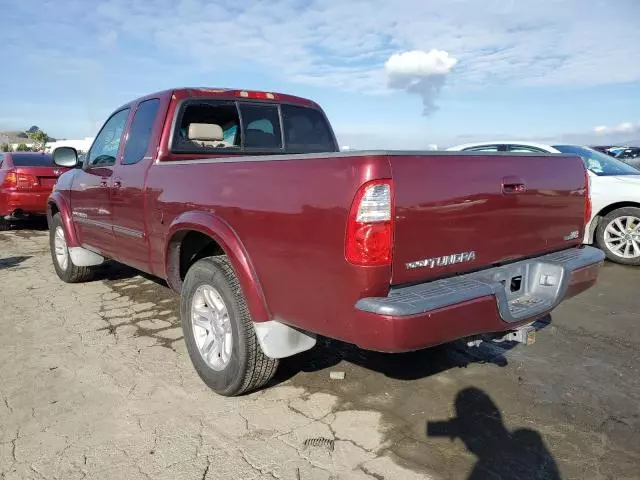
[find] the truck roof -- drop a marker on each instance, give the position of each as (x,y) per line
(213,92)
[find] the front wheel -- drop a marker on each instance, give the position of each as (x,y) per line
(618,235)
(218,330)
(4,225)
(62,262)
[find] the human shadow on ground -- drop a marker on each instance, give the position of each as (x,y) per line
(10,262)
(502,454)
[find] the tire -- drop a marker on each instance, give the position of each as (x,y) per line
(609,229)
(235,364)
(68,272)
(4,225)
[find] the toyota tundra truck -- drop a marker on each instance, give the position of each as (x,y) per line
(243,203)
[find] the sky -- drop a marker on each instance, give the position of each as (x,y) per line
(401,75)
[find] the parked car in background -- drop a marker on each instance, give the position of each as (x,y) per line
(604,149)
(26,180)
(244,204)
(629,155)
(615,196)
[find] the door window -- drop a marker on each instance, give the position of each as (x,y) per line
(140,132)
(105,147)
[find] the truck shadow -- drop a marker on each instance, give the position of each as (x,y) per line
(501,454)
(400,366)
(112,271)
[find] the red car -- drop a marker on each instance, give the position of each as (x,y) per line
(243,202)
(26,180)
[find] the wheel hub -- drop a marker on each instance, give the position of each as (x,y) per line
(60,248)
(622,236)
(211,327)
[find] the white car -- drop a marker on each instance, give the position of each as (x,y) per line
(615,196)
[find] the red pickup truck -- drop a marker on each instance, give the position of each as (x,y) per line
(242,201)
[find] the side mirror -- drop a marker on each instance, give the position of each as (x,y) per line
(65,157)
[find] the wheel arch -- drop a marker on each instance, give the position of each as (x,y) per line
(604,211)
(57,203)
(194,235)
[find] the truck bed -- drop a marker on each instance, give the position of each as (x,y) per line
(290,213)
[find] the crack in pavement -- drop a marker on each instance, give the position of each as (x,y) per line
(257,469)
(206,469)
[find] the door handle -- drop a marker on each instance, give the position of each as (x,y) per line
(104,183)
(117,184)
(512,184)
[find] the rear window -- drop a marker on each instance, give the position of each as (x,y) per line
(306,130)
(213,126)
(32,160)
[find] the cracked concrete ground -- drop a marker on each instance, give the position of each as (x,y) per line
(95,383)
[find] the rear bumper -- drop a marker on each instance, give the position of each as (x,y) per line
(25,202)
(493,300)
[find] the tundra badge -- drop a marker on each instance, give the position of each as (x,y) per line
(443,261)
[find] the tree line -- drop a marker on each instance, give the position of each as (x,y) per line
(38,141)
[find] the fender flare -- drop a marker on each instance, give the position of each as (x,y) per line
(56,198)
(223,234)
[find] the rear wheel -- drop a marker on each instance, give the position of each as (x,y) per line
(64,266)
(218,330)
(618,235)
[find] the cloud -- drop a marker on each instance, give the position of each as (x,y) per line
(109,39)
(621,128)
(331,44)
(337,44)
(420,73)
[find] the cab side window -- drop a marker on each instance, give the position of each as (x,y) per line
(105,147)
(140,132)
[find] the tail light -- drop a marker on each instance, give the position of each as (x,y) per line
(20,181)
(587,198)
(369,238)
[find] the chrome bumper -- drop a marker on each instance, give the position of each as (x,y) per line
(522,289)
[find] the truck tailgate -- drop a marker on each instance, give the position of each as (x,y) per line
(459,212)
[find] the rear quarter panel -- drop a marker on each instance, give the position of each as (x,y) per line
(290,217)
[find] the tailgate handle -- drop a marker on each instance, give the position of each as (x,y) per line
(511,184)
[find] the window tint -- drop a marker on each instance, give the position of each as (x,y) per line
(105,147)
(207,125)
(260,126)
(32,160)
(306,130)
(140,132)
